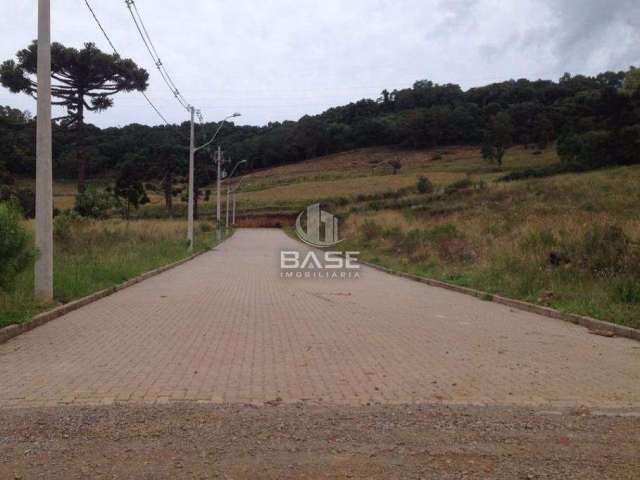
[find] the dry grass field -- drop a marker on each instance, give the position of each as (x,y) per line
(569,241)
(366,171)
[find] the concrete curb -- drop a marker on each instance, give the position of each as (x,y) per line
(588,322)
(7,333)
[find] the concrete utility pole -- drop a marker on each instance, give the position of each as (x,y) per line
(228,203)
(192,154)
(44,177)
(218,182)
(233,215)
(234,192)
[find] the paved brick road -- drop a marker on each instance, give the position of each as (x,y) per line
(226,328)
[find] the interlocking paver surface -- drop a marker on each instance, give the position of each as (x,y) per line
(226,328)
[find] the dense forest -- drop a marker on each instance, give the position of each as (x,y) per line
(595,121)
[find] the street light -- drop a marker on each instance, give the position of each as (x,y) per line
(229,187)
(192,153)
(233,200)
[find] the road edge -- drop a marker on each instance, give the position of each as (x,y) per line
(594,324)
(12,331)
(599,326)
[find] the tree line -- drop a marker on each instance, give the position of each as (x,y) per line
(595,121)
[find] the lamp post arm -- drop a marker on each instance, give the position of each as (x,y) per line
(212,138)
(237,187)
(235,168)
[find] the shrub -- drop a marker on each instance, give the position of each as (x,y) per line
(606,250)
(412,241)
(65,225)
(626,290)
(542,172)
(447,231)
(206,227)
(455,250)
(456,186)
(25,198)
(539,241)
(94,203)
(392,233)
(424,185)
(5,177)
(370,230)
(396,165)
(15,251)
(375,206)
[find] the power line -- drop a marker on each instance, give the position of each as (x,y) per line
(115,50)
(148,43)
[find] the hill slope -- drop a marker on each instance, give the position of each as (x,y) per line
(569,241)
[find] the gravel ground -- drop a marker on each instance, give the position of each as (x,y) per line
(282,441)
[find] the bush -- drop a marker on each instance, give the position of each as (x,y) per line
(539,242)
(94,203)
(606,250)
(600,148)
(65,225)
(396,165)
(537,172)
(443,232)
(459,185)
(424,185)
(15,251)
(25,198)
(370,230)
(626,290)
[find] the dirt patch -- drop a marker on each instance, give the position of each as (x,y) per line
(301,441)
(268,220)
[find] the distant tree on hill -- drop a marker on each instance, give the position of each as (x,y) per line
(631,84)
(205,174)
(542,131)
(83,80)
(396,165)
(498,138)
(17,152)
(170,160)
(129,186)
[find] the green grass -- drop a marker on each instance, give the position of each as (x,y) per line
(102,255)
(499,239)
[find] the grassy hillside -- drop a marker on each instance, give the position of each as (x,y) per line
(568,241)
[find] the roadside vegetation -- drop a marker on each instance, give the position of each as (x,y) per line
(92,254)
(570,241)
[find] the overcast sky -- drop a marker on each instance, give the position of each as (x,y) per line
(281,59)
